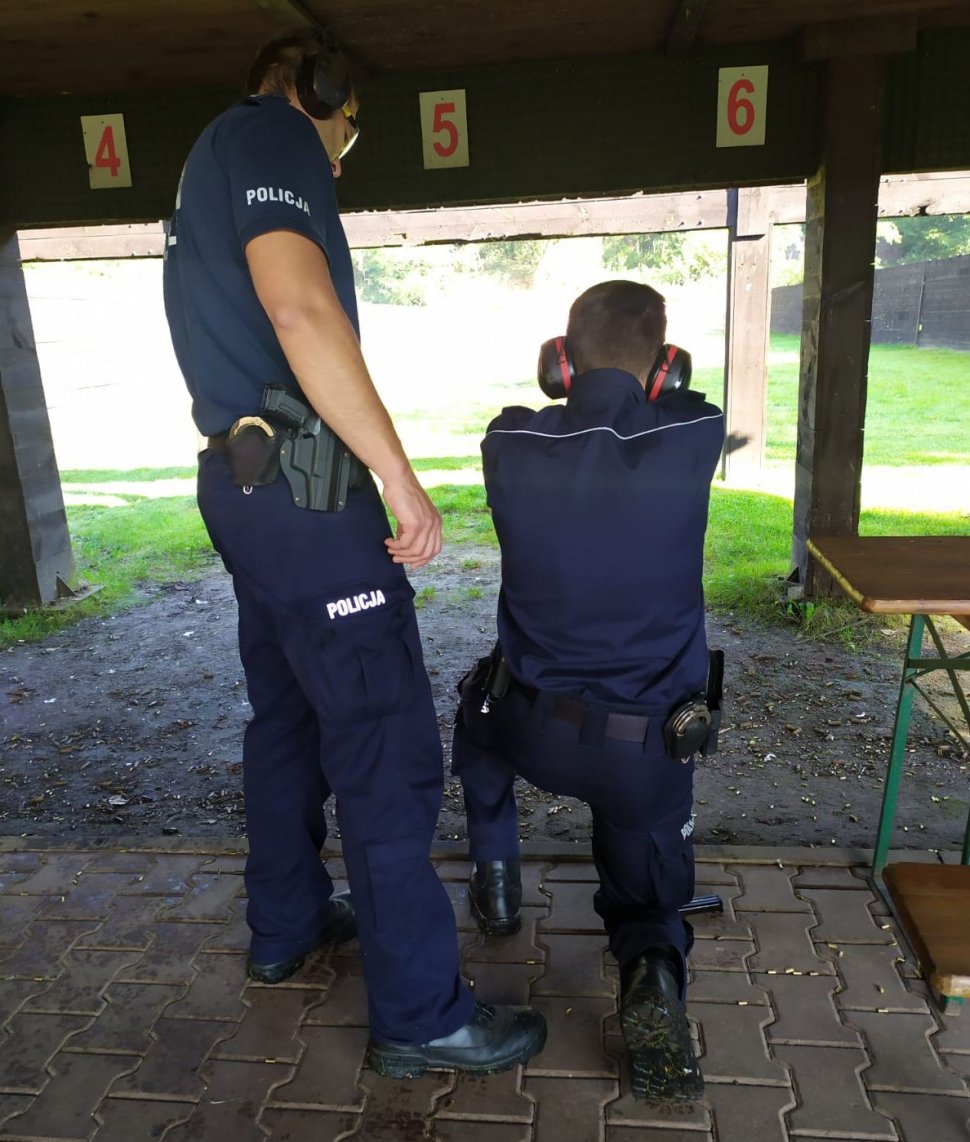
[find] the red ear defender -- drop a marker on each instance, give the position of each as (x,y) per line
(556,370)
(671,370)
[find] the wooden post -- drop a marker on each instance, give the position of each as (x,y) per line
(35,549)
(840,239)
(746,331)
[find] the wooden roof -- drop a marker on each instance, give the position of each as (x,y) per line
(75,46)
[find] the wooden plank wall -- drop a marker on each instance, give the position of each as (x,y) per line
(921,303)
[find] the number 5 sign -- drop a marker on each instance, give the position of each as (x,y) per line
(444,130)
(106,150)
(741,97)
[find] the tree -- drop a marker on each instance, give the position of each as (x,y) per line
(515,261)
(921,239)
(387,277)
(673,258)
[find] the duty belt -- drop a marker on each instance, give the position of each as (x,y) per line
(358,475)
(574,711)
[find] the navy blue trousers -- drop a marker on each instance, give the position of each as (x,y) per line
(640,802)
(341,704)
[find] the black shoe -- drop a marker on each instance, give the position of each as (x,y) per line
(341,927)
(495,894)
(657,1035)
(494,1039)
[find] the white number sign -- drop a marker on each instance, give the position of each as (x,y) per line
(106,150)
(742,94)
(444,129)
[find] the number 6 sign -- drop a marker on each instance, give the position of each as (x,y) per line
(444,129)
(106,151)
(741,98)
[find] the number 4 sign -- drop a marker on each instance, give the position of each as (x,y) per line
(106,150)
(444,129)
(741,98)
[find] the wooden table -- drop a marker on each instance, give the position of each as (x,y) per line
(919,576)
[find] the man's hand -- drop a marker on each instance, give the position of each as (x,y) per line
(418,537)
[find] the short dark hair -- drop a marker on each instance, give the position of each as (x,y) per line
(277,66)
(617,325)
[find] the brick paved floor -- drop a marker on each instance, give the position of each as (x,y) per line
(126,1016)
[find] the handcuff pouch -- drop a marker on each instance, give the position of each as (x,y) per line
(253,449)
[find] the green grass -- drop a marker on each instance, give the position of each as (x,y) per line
(446,463)
(120,550)
(465,514)
(917,408)
(424,596)
(123,549)
(748,554)
(126,475)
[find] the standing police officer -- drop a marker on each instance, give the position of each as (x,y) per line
(259,292)
(600,507)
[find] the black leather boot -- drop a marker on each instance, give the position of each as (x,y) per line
(655,1028)
(494,1039)
(341,927)
(495,893)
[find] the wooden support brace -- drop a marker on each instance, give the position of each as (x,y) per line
(863,37)
(35,554)
(839,277)
(746,340)
(684,25)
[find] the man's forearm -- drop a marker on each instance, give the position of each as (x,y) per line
(327,362)
(292,280)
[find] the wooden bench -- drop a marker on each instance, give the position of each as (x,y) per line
(932,902)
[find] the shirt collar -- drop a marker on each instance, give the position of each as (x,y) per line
(599,389)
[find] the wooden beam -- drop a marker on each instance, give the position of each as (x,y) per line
(746,334)
(639,214)
(839,275)
(866,37)
(35,555)
(684,25)
(76,243)
(899,196)
(289,13)
(292,13)
(902,195)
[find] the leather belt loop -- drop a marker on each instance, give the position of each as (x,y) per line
(592,724)
(627,727)
(592,732)
(570,710)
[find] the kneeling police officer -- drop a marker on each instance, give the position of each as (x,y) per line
(601,685)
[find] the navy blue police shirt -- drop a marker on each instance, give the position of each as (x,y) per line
(258,167)
(600,506)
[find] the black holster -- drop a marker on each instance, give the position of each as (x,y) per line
(318,466)
(715,692)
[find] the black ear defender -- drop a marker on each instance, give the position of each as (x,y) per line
(556,371)
(671,370)
(323,83)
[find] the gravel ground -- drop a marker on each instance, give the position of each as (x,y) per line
(131,726)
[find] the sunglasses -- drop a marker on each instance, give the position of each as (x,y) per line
(354,131)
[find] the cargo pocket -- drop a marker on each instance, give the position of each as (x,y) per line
(388,659)
(672,867)
(356,665)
